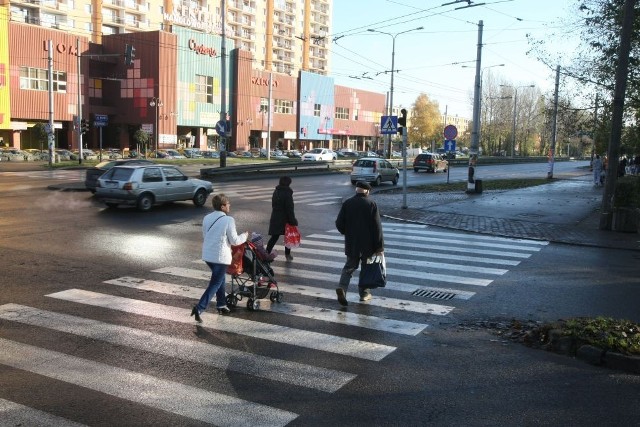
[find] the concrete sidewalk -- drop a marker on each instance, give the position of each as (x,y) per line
(564,211)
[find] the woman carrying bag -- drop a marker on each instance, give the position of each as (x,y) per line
(282,213)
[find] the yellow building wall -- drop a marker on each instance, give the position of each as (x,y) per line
(4,68)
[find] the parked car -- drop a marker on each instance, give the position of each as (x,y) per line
(192,153)
(319,154)
(146,185)
(65,155)
(208,154)
(375,170)
(92,174)
(430,162)
(175,154)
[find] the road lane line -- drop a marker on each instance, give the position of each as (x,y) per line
(14,414)
(170,396)
(316,313)
(280,334)
(298,374)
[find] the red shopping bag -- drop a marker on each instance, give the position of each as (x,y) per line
(291,236)
(235,268)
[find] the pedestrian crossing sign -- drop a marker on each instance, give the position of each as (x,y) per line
(389,125)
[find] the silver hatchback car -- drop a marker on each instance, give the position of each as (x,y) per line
(375,170)
(146,185)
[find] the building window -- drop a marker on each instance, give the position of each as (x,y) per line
(316,110)
(204,89)
(38,79)
(283,106)
(342,113)
(264,105)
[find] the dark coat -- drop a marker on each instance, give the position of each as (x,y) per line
(282,210)
(359,221)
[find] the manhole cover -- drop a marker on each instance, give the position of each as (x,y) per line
(434,294)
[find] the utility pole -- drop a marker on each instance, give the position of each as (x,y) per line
(80,105)
(223,88)
(552,150)
(50,134)
(475,143)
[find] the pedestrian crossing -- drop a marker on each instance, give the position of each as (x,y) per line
(430,272)
(258,193)
(58,174)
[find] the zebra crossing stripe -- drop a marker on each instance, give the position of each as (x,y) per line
(14,414)
(418,227)
(170,396)
(391,250)
(275,333)
(396,286)
(409,272)
(316,313)
(398,304)
(442,247)
(298,374)
(411,263)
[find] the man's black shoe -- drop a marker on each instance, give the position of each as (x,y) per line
(342,296)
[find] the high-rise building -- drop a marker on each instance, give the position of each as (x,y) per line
(284,36)
(164,68)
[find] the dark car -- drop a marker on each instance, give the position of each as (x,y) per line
(92,174)
(430,162)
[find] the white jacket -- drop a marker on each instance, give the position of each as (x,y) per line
(219,237)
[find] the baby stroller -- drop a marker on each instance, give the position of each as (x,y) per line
(251,275)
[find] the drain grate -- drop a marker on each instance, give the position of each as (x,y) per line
(434,294)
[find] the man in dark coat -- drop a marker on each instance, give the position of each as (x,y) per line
(282,213)
(359,222)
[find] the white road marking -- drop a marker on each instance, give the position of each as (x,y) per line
(443,245)
(275,333)
(170,396)
(298,374)
(398,304)
(428,252)
(316,313)
(13,414)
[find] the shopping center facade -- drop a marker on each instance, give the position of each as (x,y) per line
(173,88)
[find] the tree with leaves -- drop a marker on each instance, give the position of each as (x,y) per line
(425,123)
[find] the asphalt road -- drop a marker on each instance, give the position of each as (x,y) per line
(94,324)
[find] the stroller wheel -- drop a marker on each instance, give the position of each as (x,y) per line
(251,304)
(279,296)
(273,296)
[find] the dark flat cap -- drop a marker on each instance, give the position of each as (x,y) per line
(363,184)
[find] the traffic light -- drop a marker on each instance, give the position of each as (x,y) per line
(84,126)
(129,54)
(402,121)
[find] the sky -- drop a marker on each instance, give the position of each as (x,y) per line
(440,59)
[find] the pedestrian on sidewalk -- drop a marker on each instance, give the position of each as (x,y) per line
(359,222)
(282,213)
(219,234)
(597,170)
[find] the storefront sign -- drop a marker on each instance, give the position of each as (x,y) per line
(263,81)
(202,49)
(61,48)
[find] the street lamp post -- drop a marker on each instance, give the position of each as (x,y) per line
(393,56)
(156,103)
(515,103)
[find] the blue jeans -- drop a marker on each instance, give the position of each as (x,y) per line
(216,287)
